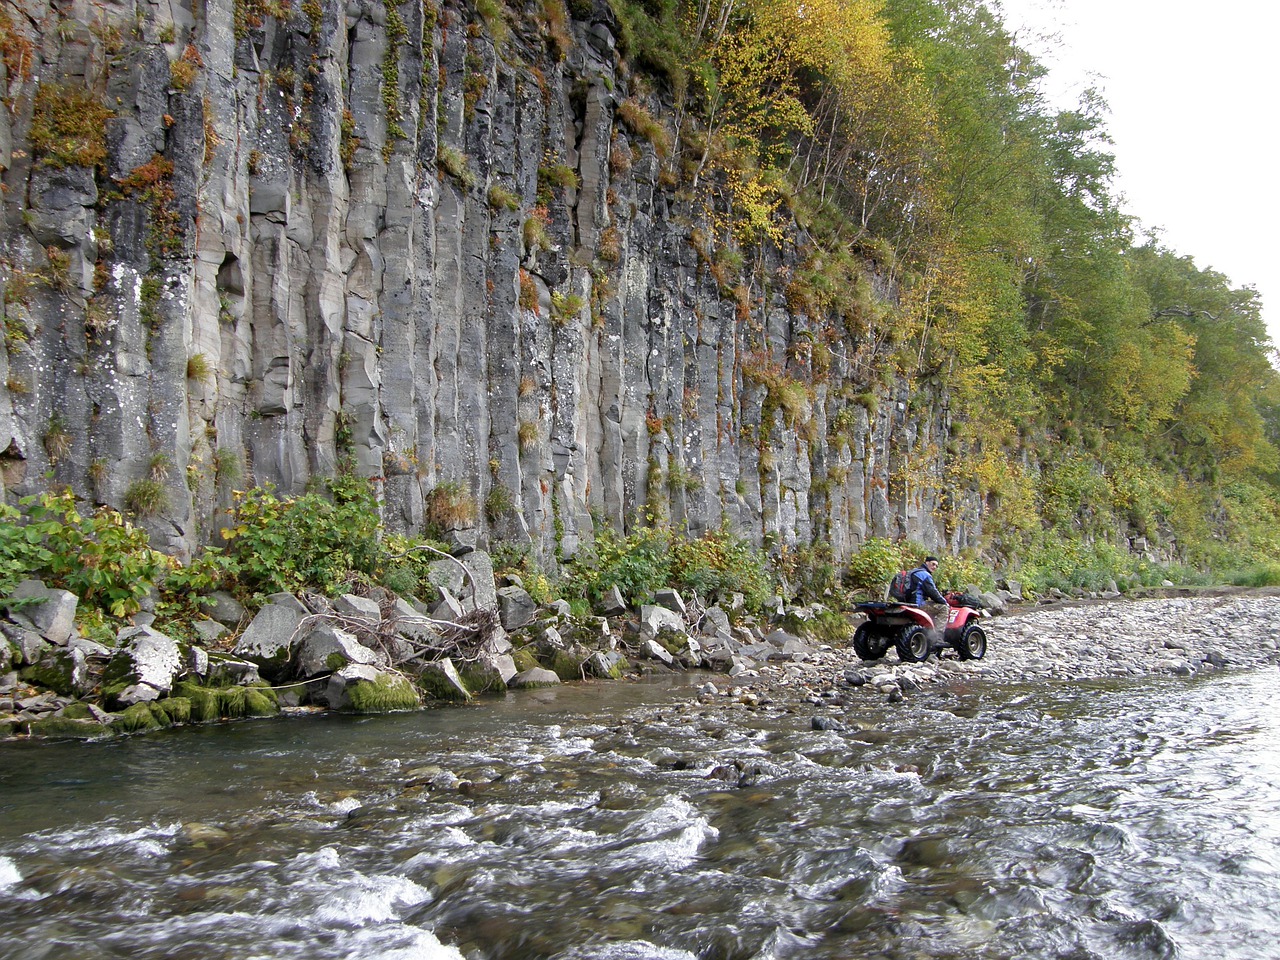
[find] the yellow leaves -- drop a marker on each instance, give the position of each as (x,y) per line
(1144,378)
(757,206)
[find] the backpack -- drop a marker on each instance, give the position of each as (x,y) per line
(902,586)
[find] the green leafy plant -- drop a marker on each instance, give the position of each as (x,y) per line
(313,541)
(102,558)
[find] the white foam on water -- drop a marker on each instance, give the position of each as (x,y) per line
(673,833)
(671,813)
(676,851)
(627,950)
(11,877)
(364,900)
(146,841)
(400,943)
(326,858)
(559,806)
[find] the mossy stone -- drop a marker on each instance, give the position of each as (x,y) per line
(68,727)
(386,694)
(525,658)
(567,666)
(139,718)
(175,709)
(77,711)
(260,702)
(54,674)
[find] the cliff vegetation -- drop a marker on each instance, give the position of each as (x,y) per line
(828,281)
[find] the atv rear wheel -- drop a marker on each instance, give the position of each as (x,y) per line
(868,644)
(972,644)
(913,644)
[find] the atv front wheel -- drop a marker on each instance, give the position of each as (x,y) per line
(913,644)
(972,644)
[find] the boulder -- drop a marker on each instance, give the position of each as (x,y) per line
(656,651)
(267,641)
(515,607)
(490,671)
(612,604)
(441,679)
(608,665)
(28,646)
(449,608)
(483,593)
(224,608)
(672,600)
(209,630)
(360,688)
(788,647)
(655,619)
(536,677)
(60,669)
(327,649)
(350,605)
(50,613)
(147,660)
(411,624)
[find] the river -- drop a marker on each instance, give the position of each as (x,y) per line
(626,821)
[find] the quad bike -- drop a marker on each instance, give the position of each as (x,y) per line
(912,632)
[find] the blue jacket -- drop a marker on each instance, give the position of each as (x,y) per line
(923,588)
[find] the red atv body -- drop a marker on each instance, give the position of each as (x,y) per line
(913,632)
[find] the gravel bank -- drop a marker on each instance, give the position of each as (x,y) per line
(1177,636)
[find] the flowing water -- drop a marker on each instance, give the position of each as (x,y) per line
(627,822)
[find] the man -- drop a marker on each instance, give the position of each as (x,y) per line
(926,595)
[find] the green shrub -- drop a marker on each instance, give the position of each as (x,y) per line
(873,566)
(312,541)
(104,560)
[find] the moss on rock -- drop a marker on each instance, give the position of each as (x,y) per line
(228,703)
(139,718)
(567,666)
(526,658)
(77,711)
(386,694)
(68,727)
(175,709)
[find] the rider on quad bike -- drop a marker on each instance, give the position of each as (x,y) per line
(915,627)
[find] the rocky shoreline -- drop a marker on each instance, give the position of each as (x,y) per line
(1183,633)
(380,653)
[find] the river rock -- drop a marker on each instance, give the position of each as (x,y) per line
(268,639)
(490,671)
(328,648)
(611,604)
(606,664)
(441,679)
(361,688)
(49,612)
(535,677)
(148,662)
(516,608)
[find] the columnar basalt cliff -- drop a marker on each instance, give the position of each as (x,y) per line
(245,242)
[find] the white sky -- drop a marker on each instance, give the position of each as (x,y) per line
(1194,91)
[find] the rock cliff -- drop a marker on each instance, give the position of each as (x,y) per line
(245,242)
